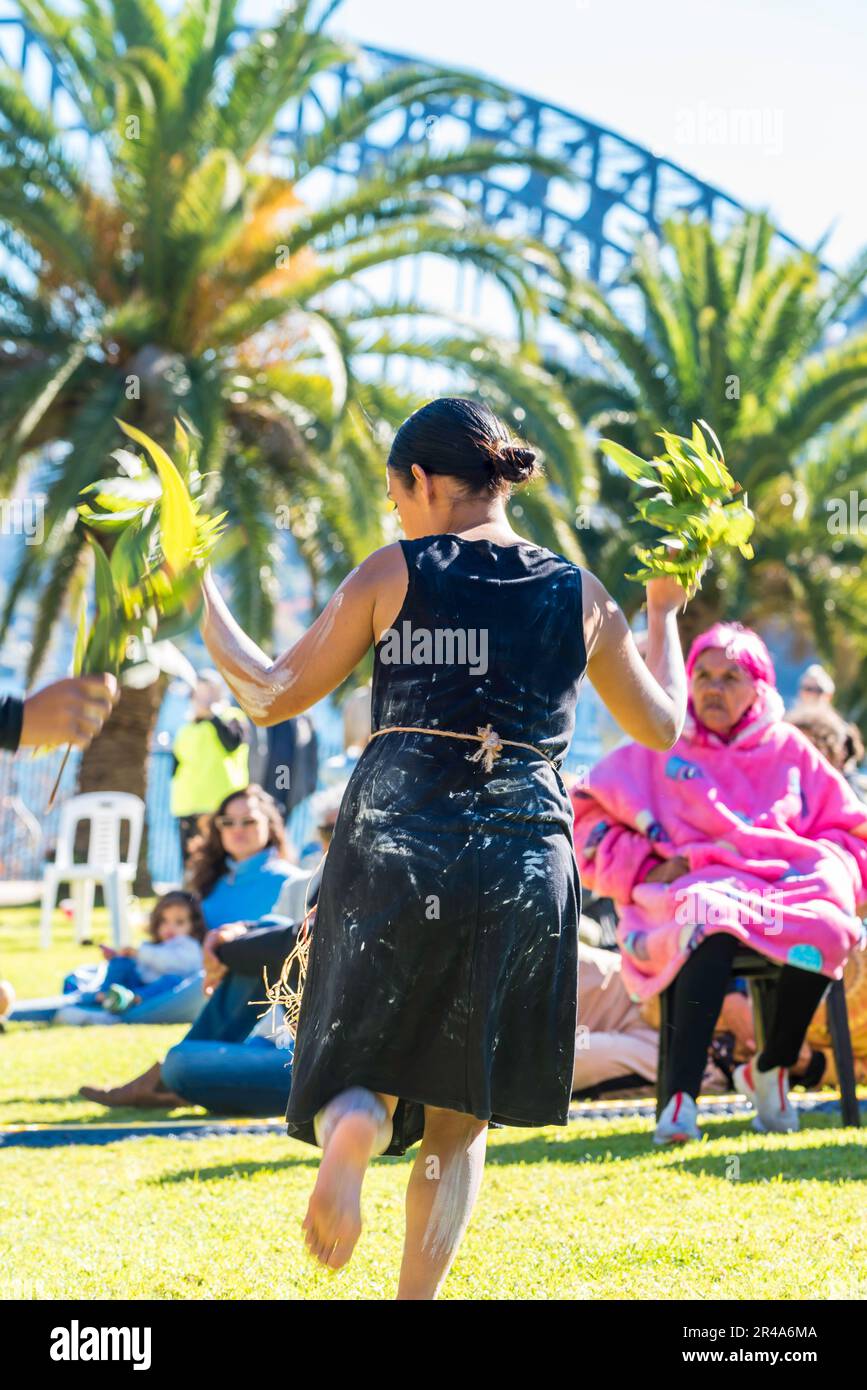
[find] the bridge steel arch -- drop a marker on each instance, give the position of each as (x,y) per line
(620,188)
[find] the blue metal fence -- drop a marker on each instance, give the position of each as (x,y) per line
(27,828)
(28,831)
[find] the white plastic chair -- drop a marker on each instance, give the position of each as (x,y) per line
(106,812)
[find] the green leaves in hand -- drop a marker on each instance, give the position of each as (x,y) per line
(151,543)
(687,493)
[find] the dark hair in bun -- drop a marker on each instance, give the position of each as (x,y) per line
(515,463)
(462,439)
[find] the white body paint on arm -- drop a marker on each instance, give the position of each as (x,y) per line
(271,691)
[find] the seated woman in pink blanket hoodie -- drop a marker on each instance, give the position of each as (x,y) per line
(741,836)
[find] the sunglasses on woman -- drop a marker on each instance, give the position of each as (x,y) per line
(229,822)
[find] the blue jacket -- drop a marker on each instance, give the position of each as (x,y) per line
(247,891)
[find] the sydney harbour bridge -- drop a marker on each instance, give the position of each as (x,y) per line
(619,188)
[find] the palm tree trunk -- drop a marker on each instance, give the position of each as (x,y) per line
(117,761)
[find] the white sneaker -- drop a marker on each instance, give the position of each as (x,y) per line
(678,1123)
(768,1093)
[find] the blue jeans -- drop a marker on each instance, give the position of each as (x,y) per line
(122,970)
(219,1066)
(250,1078)
(178,1001)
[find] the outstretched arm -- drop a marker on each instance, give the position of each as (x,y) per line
(271,691)
(647,698)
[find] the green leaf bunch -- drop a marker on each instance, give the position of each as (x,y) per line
(151,542)
(688,493)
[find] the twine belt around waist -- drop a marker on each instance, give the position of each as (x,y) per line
(289,994)
(490,743)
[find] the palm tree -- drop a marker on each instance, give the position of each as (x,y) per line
(180,270)
(746,336)
(814,554)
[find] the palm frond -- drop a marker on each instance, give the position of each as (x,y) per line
(398,89)
(142,24)
(80,72)
(829,386)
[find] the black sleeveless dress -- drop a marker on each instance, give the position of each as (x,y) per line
(443,961)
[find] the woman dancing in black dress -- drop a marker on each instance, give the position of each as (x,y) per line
(441,991)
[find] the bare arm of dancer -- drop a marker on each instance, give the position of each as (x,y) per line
(358,612)
(647,698)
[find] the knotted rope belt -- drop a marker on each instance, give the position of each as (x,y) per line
(287,992)
(490,744)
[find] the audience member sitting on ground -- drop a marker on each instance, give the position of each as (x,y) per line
(239,873)
(245,860)
(615,1048)
(170,961)
(229,1060)
(174,952)
(836,740)
(816,687)
(740,837)
(819,1034)
(7,1001)
(236,1060)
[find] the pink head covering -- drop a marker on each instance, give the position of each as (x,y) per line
(740,644)
(746,647)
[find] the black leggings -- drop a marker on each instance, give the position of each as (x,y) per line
(699,991)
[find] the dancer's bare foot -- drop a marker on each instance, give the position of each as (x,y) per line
(333,1221)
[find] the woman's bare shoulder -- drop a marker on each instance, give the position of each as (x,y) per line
(602,614)
(385,576)
(596,596)
(385,565)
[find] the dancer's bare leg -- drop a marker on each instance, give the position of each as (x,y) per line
(442,1190)
(351,1128)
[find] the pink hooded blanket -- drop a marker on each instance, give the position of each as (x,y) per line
(775,840)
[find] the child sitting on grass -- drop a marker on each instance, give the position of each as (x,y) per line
(174,951)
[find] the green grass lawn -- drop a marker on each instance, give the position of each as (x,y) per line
(586,1211)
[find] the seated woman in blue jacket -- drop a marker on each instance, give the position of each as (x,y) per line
(230,1061)
(239,874)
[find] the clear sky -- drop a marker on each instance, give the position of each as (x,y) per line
(765,98)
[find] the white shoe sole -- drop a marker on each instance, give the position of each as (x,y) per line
(761,1128)
(758,1123)
(669,1139)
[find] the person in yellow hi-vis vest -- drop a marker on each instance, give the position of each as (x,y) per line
(211,757)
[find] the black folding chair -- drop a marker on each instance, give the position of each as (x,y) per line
(761,974)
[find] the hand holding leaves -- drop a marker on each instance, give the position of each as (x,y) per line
(151,543)
(689,495)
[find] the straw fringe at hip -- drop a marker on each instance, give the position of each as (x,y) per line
(283,993)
